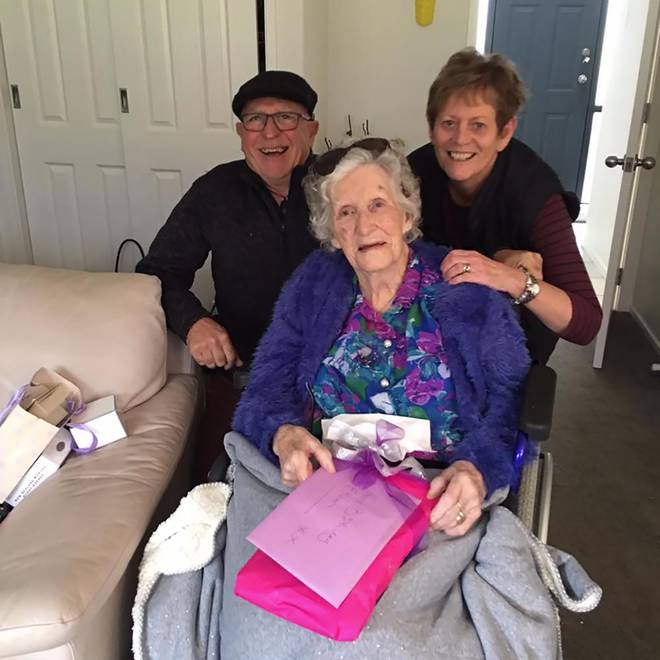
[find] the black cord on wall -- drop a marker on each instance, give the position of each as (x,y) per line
(121,247)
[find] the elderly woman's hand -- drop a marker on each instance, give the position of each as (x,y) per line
(295,447)
(462,490)
(469,266)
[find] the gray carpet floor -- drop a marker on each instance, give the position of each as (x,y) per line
(606,495)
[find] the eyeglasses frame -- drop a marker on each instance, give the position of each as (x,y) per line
(273,115)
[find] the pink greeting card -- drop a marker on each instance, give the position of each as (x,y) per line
(329,530)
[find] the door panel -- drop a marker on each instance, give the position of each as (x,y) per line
(175,66)
(181,65)
(67,129)
(545,39)
(623,106)
(94,175)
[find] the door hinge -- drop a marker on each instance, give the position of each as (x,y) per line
(619,276)
(646,113)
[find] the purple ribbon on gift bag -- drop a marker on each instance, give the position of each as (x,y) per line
(387,448)
(14,400)
(75,409)
(369,460)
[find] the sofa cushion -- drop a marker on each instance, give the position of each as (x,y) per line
(103,331)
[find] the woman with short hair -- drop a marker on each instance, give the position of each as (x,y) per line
(503,208)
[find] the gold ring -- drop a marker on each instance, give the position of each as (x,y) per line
(460,516)
(467,268)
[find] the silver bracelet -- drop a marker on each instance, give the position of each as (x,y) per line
(531,290)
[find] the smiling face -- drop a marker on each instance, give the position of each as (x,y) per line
(368,223)
(466,140)
(273,153)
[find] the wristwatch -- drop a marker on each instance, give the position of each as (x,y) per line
(532,288)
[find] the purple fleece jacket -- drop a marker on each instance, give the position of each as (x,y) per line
(484,343)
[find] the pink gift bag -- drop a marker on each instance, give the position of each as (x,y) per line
(264,583)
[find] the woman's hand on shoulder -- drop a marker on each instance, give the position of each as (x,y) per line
(462,491)
(295,446)
(461,266)
(532,261)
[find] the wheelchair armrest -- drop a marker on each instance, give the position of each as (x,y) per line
(218,470)
(538,402)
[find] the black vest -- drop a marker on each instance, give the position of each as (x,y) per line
(501,215)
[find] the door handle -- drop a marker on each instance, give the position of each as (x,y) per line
(15,97)
(123,99)
(630,163)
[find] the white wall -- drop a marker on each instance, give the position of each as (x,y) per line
(381,64)
(297,40)
(14,236)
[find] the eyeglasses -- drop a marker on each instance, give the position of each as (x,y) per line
(285,121)
(326,163)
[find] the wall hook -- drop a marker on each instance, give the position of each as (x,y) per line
(349,132)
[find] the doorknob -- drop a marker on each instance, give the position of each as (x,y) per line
(582,79)
(630,163)
(647,163)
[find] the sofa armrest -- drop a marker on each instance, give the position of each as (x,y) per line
(65,548)
(179,360)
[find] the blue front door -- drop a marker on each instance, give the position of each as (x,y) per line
(553,44)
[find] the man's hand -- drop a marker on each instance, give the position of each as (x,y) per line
(462,491)
(295,447)
(533,261)
(210,345)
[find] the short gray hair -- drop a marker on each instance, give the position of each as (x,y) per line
(404,184)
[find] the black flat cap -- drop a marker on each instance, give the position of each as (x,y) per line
(278,85)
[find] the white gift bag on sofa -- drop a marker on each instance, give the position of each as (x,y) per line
(23,435)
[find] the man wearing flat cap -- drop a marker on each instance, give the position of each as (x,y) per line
(251,215)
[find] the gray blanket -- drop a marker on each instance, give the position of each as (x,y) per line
(483,595)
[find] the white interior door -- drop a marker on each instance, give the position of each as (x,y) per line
(180,62)
(59,55)
(633,66)
(641,269)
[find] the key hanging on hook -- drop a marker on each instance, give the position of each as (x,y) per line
(365,127)
(328,143)
(349,132)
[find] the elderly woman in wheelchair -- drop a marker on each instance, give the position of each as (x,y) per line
(367,325)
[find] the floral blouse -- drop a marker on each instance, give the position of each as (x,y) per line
(393,363)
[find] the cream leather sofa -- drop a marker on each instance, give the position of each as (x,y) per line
(69,551)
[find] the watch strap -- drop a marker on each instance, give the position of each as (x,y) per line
(531,289)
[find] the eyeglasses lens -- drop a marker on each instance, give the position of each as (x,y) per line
(285,121)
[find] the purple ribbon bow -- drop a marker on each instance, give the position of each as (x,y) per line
(74,409)
(369,465)
(370,462)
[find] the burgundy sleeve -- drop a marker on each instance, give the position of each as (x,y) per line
(552,236)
